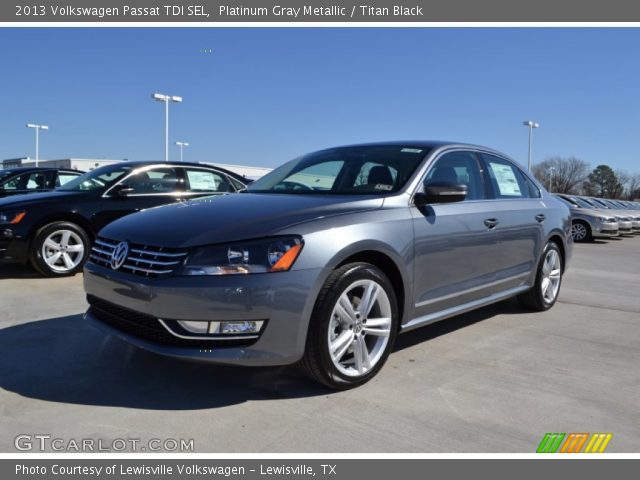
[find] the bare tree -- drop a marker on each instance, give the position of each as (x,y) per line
(633,187)
(623,180)
(562,175)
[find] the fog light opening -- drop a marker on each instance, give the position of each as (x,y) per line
(194,327)
(232,328)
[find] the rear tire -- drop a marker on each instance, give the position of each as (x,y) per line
(581,231)
(545,291)
(353,327)
(60,249)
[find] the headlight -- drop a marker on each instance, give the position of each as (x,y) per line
(12,217)
(254,256)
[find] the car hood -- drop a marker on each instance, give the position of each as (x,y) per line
(231,217)
(594,213)
(620,213)
(26,199)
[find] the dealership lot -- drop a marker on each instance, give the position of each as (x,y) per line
(494,380)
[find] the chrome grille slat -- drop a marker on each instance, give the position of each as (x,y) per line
(105,244)
(157,253)
(99,259)
(153,262)
(142,260)
(144,270)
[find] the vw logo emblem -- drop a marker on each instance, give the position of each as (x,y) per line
(119,255)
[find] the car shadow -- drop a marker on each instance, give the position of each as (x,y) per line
(14,271)
(66,360)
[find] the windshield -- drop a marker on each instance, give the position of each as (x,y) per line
(568,202)
(599,203)
(583,202)
(98,179)
(372,169)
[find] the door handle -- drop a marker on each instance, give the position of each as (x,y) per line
(540,217)
(491,223)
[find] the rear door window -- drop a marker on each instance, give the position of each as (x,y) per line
(64,177)
(207,181)
(506,179)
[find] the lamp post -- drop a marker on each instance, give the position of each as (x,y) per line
(182,145)
(551,177)
(37,128)
(166,99)
(531,125)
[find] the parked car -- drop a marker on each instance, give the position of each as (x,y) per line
(55,230)
(625,220)
(325,259)
(587,223)
(17,181)
(633,213)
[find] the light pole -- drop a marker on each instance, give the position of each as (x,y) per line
(531,125)
(166,99)
(551,177)
(182,145)
(37,128)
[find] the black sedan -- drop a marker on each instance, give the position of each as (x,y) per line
(17,181)
(54,230)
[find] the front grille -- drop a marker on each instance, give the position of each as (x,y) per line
(142,260)
(147,327)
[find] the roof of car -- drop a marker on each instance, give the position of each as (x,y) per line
(424,144)
(408,143)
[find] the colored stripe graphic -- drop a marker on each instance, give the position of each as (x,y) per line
(574,442)
(550,443)
(598,443)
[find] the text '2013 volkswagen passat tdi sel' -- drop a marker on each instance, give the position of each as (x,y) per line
(326,259)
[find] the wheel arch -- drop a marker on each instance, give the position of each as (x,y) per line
(69,217)
(386,261)
(558,239)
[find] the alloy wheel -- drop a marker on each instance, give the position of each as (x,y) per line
(63,250)
(551,275)
(360,328)
(579,232)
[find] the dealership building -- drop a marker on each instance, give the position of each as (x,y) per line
(87,164)
(82,164)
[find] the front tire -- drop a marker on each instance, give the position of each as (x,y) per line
(353,327)
(60,249)
(546,288)
(581,231)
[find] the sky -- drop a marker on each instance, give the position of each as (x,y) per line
(261,96)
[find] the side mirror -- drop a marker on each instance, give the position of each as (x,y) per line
(121,190)
(440,192)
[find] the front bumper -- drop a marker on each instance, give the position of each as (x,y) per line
(12,249)
(282,300)
(605,229)
(625,227)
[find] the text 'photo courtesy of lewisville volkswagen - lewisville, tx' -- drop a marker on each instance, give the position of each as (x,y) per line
(316,240)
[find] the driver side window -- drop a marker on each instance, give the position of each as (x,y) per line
(459,167)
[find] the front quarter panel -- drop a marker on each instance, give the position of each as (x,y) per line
(332,241)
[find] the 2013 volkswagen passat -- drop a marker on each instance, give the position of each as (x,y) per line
(327,258)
